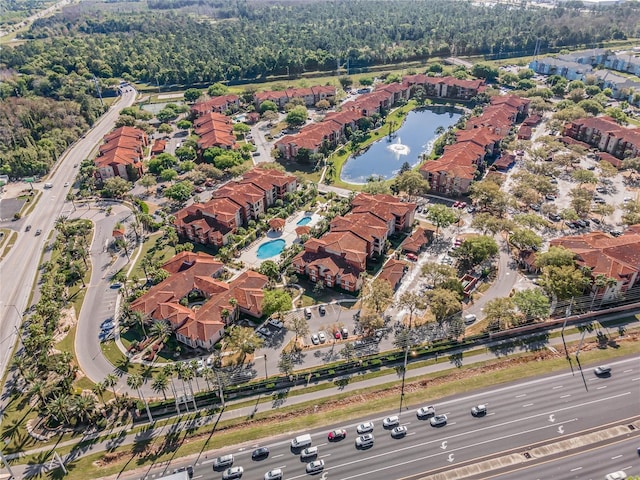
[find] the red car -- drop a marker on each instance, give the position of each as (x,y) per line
(337,434)
(412,256)
(336,334)
(456,204)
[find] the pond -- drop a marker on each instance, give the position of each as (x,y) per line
(270,249)
(416,136)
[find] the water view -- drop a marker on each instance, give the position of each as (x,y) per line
(384,158)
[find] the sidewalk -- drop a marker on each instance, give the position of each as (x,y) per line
(124,438)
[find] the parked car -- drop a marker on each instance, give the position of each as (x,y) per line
(412,256)
(555,217)
(344,332)
(315,339)
(322,337)
(336,334)
(338,434)
(322,309)
(107,325)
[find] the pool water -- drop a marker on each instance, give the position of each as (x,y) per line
(303,221)
(270,249)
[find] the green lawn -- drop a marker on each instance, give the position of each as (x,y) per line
(161,252)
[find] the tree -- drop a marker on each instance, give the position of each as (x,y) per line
(476,250)
(377,294)
(276,301)
(348,352)
(147,181)
(631,215)
(162,162)
(500,313)
(370,321)
(84,407)
(110,381)
(584,176)
(345,81)
(441,216)
(411,182)
(241,128)
(270,269)
(183,125)
(487,195)
(268,105)
(161,384)
(168,174)
(135,382)
(192,94)
(437,273)
(217,89)
(483,70)
(557,257)
(297,116)
(443,303)
(244,340)
(299,326)
(525,240)
(180,192)
(412,302)
(487,223)
(115,187)
(532,303)
(564,282)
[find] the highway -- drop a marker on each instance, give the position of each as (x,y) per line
(18,269)
(590,464)
(519,414)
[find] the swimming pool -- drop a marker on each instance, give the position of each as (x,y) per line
(270,249)
(303,221)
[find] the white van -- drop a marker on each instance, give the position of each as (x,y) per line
(48,185)
(307,312)
(301,441)
(469,319)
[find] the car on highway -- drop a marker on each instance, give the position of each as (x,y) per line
(399,431)
(479,410)
(438,420)
(426,412)
(602,371)
(365,427)
(315,466)
(66,184)
(309,452)
(391,421)
(27,228)
(232,473)
(188,469)
(338,434)
(315,339)
(260,453)
(619,475)
(38,232)
(223,462)
(364,441)
(275,474)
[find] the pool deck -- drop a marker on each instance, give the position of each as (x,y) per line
(288,234)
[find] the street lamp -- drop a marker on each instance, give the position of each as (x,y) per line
(404,369)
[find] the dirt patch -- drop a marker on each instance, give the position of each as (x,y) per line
(67,321)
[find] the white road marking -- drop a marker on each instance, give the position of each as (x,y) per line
(278,456)
(521,395)
(627,370)
(527,405)
(617,456)
(576,469)
(635,379)
(557,387)
(565,396)
(601,387)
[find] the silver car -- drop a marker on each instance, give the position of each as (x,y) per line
(364,428)
(315,466)
(438,420)
(223,461)
(391,421)
(425,412)
(399,431)
(232,473)
(310,452)
(364,441)
(275,474)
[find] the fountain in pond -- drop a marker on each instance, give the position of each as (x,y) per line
(398,149)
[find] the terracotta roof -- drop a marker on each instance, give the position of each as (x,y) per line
(214,103)
(303,230)
(386,207)
(277,223)
(158,146)
(418,239)
(393,271)
(127,132)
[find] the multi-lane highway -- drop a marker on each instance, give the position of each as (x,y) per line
(18,269)
(589,464)
(542,410)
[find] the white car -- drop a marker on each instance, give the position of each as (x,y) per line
(275,474)
(315,466)
(223,461)
(310,452)
(425,412)
(391,421)
(315,340)
(364,441)
(232,473)
(438,420)
(399,431)
(322,337)
(364,428)
(619,475)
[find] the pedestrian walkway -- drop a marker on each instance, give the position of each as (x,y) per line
(477,355)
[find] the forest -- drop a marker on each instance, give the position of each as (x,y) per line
(209,41)
(188,42)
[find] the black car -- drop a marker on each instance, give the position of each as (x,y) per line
(260,453)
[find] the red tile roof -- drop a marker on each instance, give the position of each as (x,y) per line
(214,104)
(393,271)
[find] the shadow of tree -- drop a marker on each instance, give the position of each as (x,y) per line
(342,382)
(456,359)
(502,348)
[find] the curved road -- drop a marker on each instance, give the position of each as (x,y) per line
(545,409)
(19,267)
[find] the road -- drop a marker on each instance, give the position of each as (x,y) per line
(545,409)
(29,20)
(18,269)
(589,464)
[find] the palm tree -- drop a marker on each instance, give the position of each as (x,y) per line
(59,407)
(243,339)
(187,373)
(160,384)
(135,382)
(110,381)
(162,330)
(37,388)
(84,407)
(99,389)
